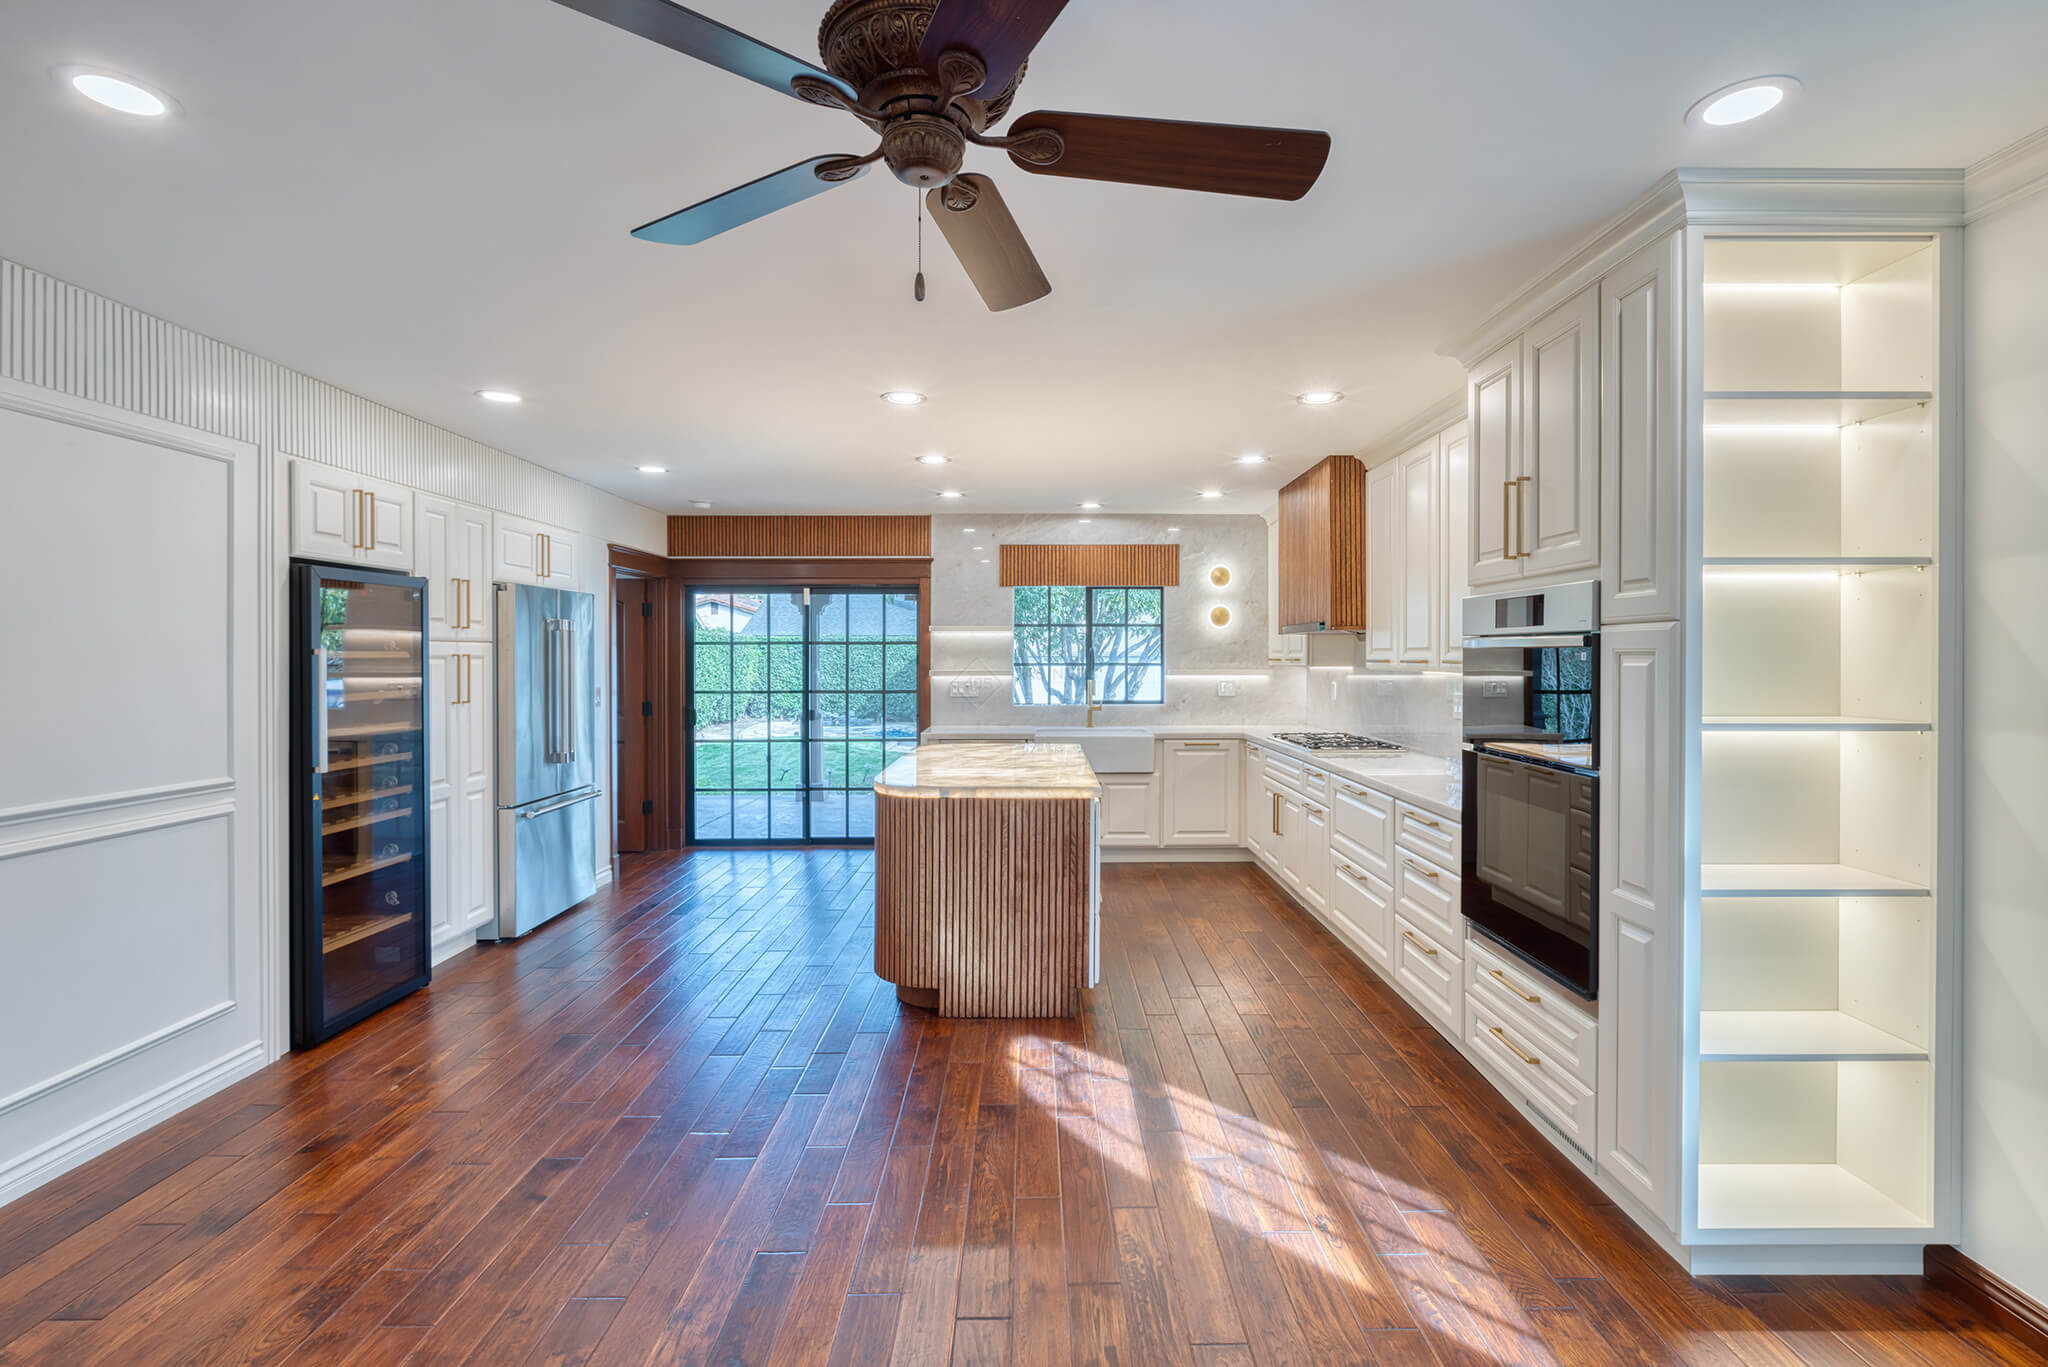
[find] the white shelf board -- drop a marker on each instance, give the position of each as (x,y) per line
(1800,880)
(1784,723)
(1817,562)
(1804,408)
(1795,1196)
(1783,1036)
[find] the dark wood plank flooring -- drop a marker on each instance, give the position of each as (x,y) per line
(688,1125)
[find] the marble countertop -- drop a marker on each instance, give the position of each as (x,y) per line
(970,768)
(1431,782)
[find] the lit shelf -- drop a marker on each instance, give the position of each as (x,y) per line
(367,795)
(1795,1196)
(365,761)
(330,877)
(1800,880)
(367,819)
(1806,408)
(1784,723)
(1817,562)
(1778,1036)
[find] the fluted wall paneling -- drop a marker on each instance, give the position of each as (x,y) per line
(1132,566)
(1322,547)
(829,537)
(59,336)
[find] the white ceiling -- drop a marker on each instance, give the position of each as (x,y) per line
(415,201)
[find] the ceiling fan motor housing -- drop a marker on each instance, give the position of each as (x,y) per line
(923,150)
(873,46)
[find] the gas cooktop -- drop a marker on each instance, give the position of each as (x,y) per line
(1333,740)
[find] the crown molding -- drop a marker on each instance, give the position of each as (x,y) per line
(1795,199)
(1430,421)
(2006,177)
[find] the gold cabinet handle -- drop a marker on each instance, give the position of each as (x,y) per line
(1313,810)
(1503,979)
(1276,813)
(1412,939)
(1201,745)
(1425,821)
(1521,510)
(1425,871)
(1355,792)
(1513,1048)
(1507,493)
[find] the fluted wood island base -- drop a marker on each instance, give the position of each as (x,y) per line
(986,878)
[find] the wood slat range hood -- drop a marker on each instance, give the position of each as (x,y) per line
(1322,548)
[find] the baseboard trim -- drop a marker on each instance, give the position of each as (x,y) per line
(1967,1279)
(1174,854)
(88,1141)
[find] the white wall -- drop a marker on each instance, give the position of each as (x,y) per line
(2005,742)
(142,538)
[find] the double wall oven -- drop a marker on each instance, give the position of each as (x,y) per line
(1532,771)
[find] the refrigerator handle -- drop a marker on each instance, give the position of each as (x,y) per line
(568,691)
(551,708)
(319,691)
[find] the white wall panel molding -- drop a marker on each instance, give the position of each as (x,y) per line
(37,1091)
(106,802)
(39,1164)
(61,337)
(67,836)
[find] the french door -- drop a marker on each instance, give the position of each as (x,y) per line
(798,699)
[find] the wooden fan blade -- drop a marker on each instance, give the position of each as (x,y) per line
(705,39)
(1000,32)
(1219,158)
(755,199)
(990,246)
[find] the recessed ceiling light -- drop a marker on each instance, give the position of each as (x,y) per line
(498,396)
(1086,519)
(1318,398)
(700,503)
(934,459)
(1173,529)
(951,493)
(117,93)
(1212,493)
(984,562)
(967,531)
(653,469)
(903,398)
(1091,505)
(1741,102)
(1251,460)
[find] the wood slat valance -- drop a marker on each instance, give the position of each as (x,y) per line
(814,536)
(1091,566)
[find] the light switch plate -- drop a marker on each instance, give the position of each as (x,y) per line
(1227,689)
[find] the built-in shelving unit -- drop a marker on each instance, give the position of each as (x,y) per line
(1817,673)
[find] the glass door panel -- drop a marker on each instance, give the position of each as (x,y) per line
(863,702)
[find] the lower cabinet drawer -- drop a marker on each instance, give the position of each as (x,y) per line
(1518,1058)
(1362,907)
(1431,971)
(1535,1007)
(1427,894)
(1428,834)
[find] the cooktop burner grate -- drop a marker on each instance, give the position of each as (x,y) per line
(1332,740)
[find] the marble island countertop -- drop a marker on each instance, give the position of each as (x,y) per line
(980,768)
(1431,782)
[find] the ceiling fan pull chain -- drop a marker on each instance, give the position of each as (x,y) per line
(919,291)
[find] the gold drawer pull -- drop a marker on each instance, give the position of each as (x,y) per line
(1425,872)
(1201,745)
(1512,988)
(1313,809)
(1355,792)
(1500,1035)
(1413,940)
(1426,821)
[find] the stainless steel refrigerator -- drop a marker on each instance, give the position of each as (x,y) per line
(547,755)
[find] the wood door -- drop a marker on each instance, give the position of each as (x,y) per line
(1454,471)
(1558,486)
(1382,562)
(1493,399)
(633,695)
(1416,643)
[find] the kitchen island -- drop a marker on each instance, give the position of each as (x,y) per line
(987,881)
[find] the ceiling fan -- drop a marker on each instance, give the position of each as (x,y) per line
(933,76)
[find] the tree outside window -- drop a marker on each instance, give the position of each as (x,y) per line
(1066,636)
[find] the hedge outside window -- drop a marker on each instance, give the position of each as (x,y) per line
(1063,637)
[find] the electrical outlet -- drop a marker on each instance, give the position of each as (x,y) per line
(1333,689)
(1496,688)
(1227,689)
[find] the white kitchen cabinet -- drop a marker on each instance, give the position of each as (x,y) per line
(1432,972)
(1251,811)
(1130,809)
(343,517)
(461,828)
(1642,336)
(452,552)
(1382,562)
(1363,906)
(1494,410)
(1454,449)
(1558,485)
(1641,912)
(1416,548)
(1201,793)
(529,552)
(1281,647)
(1362,828)
(1313,851)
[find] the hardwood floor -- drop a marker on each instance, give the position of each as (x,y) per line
(688,1125)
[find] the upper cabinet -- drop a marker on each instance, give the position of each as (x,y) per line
(1641,427)
(453,554)
(1455,462)
(345,517)
(1534,496)
(1322,570)
(528,552)
(1382,562)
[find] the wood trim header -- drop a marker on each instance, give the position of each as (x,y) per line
(814,537)
(1091,566)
